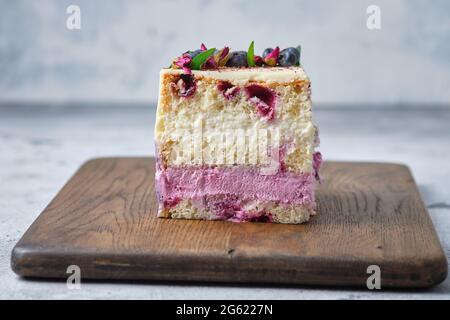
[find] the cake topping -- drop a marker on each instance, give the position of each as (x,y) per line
(251,55)
(266,52)
(289,57)
(212,59)
(222,56)
(202,60)
(271,58)
(238,59)
(183,62)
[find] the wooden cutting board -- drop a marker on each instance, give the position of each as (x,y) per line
(104,220)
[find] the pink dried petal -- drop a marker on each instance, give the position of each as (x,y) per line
(203,47)
(183,62)
(272,58)
(222,56)
(225,52)
(259,61)
(210,64)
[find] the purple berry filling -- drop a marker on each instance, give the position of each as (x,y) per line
(263,99)
(228,90)
(226,209)
(317,163)
(230,208)
(171,202)
(282,154)
(252,216)
(185,86)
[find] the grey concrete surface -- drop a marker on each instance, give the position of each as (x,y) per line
(42,146)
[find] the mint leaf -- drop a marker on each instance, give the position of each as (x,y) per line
(200,59)
(251,55)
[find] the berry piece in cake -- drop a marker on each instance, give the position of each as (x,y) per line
(228,90)
(263,99)
(185,86)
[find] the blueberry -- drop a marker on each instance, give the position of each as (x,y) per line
(237,59)
(267,52)
(294,51)
(192,54)
(289,57)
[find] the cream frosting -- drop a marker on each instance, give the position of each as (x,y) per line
(244,75)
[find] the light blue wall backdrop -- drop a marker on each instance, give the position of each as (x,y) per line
(122,45)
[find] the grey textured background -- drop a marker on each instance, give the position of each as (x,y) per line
(122,45)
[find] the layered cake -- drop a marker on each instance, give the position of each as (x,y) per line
(235,138)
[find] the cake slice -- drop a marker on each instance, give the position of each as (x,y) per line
(235,142)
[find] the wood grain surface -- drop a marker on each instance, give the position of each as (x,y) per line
(104,220)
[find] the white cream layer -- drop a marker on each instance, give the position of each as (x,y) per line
(244,75)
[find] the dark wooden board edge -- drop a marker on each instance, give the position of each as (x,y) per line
(34,263)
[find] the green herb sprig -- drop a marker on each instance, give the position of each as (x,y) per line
(201,58)
(251,55)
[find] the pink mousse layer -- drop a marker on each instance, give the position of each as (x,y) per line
(246,183)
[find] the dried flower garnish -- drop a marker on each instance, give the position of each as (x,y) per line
(221,57)
(251,55)
(272,58)
(210,64)
(183,62)
(259,61)
(212,59)
(198,61)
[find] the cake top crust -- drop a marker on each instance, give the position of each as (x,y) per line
(256,74)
